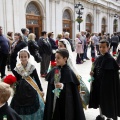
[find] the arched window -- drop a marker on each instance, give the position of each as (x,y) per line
(33,19)
(115,25)
(88,19)
(89,23)
(32,9)
(67,24)
(103,21)
(103,27)
(66,15)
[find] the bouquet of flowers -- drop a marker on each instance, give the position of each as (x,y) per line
(93,59)
(57,77)
(91,78)
(11,80)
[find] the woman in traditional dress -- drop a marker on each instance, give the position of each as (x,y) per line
(28,99)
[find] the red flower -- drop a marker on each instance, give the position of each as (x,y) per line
(56,71)
(93,59)
(10,79)
(53,63)
(114,53)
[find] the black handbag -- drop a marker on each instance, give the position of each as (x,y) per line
(37,56)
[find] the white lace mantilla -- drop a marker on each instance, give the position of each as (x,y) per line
(24,72)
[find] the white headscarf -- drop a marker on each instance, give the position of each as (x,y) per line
(70,61)
(31,58)
(67,44)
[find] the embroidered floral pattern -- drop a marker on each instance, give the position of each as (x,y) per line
(24,72)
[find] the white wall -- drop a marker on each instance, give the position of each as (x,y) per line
(13,15)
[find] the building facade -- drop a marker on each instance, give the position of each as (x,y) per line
(59,15)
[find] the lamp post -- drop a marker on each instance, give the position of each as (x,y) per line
(78,8)
(116,16)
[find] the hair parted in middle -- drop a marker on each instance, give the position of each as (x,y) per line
(24,50)
(20,36)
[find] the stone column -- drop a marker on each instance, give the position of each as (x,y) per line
(47,11)
(16,15)
(95,19)
(9,16)
(4,22)
(111,23)
(2,14)
(98,21)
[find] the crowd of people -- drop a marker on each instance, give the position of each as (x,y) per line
(67,95)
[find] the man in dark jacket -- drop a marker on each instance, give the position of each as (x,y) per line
(114,43)
(45,50)
(4,51)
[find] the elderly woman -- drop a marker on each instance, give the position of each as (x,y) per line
(66,35)
(79,49)
(33,47)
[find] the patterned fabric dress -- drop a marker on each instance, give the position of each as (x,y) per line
(37,115)
(26,101)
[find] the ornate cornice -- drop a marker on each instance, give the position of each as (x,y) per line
(58,1)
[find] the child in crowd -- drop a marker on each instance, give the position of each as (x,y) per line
(65,103)
(27,101)
(6,112)
(105,88)
(64,44)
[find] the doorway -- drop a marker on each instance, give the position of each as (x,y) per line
(33,19)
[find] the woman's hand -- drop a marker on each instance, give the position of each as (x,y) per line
(42,93)
(78,77)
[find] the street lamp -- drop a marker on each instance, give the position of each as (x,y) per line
(116,16)
(78,8)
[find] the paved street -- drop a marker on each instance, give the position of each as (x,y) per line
(84,72)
